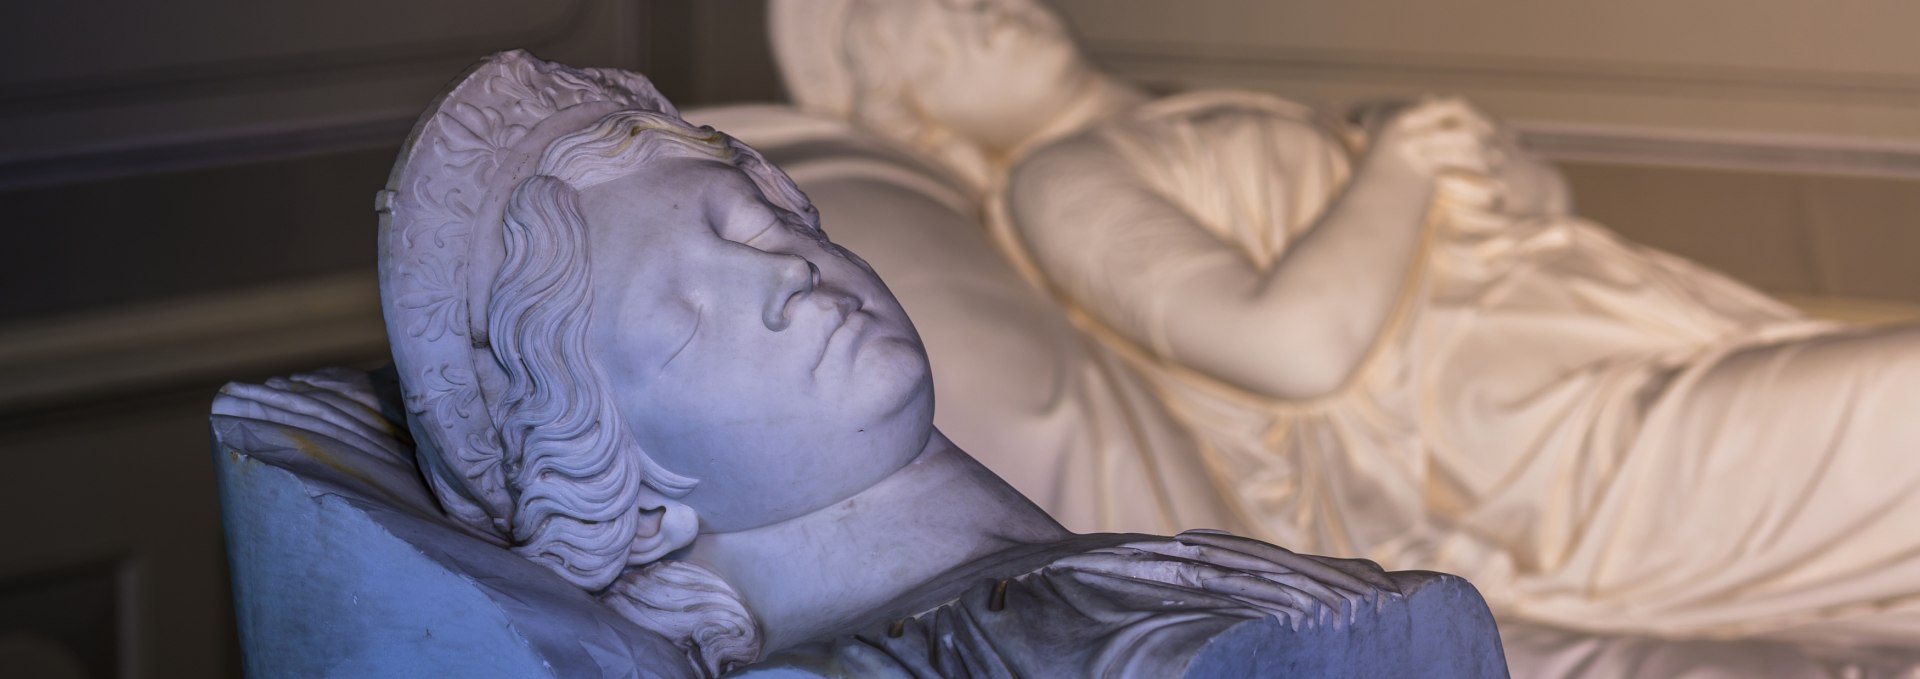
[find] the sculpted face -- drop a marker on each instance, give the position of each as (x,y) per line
(746,351)
(992,70)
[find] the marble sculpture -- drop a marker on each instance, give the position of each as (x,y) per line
(1388,335)
(645,419)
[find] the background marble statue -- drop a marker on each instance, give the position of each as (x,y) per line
(629,358)
(1392,339)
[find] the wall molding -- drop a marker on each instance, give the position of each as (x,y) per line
(1707,149)
(204,338)
(237,147)
(185,90)
(216,77)
(1180,65)
(1506,72)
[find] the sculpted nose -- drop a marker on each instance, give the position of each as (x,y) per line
(793,280)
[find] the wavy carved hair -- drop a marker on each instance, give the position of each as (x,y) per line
(573,471)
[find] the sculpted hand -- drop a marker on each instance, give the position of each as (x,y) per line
(1530,185)
(1296,587)
(1436,137)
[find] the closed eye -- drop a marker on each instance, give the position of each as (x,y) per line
(773,222)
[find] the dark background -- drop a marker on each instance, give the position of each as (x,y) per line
(187,195)
(160,216)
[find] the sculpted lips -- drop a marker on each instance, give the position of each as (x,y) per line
(848,313)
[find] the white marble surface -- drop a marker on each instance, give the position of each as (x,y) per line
(629,358)
(1388,336)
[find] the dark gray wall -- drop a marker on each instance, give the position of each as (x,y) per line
(156,156)
(186,207)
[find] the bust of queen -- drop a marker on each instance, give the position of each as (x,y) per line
(628,354)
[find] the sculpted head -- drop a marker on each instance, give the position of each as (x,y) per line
(616,331)
(735,345)
(990,72)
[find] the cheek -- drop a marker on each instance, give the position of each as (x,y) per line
(888,393)
(633,352)
(1040,73)
(706,395)
(1003,88)
(710,429)
(710,412)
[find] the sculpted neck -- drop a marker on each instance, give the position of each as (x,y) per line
(1102,96)
(810,575)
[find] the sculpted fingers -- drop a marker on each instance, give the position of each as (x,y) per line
(1247,570)
(1347,601)
(1129,563)
(1220,560)
(1305,565)
(1442,135)
(1332,579)
(1208,553)
(1455,150)
(1446,114)
(1290,592)
(1362,569)
(1364,574)
(1268,595)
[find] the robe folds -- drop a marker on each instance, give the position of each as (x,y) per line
(1602,437)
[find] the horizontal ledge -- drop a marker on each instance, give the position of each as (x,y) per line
(209,337)
(1182,65)
(1527,72)
(1705,149)
(217,76)
(234,148)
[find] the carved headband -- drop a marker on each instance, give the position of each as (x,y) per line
(440,244)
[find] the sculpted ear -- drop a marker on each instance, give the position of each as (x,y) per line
(665,525)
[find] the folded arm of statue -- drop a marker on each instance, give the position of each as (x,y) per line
(631,363)
(1224,235)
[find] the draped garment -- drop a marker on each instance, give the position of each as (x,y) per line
(1600,436)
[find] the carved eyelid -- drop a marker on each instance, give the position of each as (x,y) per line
(773,222)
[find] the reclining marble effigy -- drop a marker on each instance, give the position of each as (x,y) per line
(645,419)
(1394,340)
